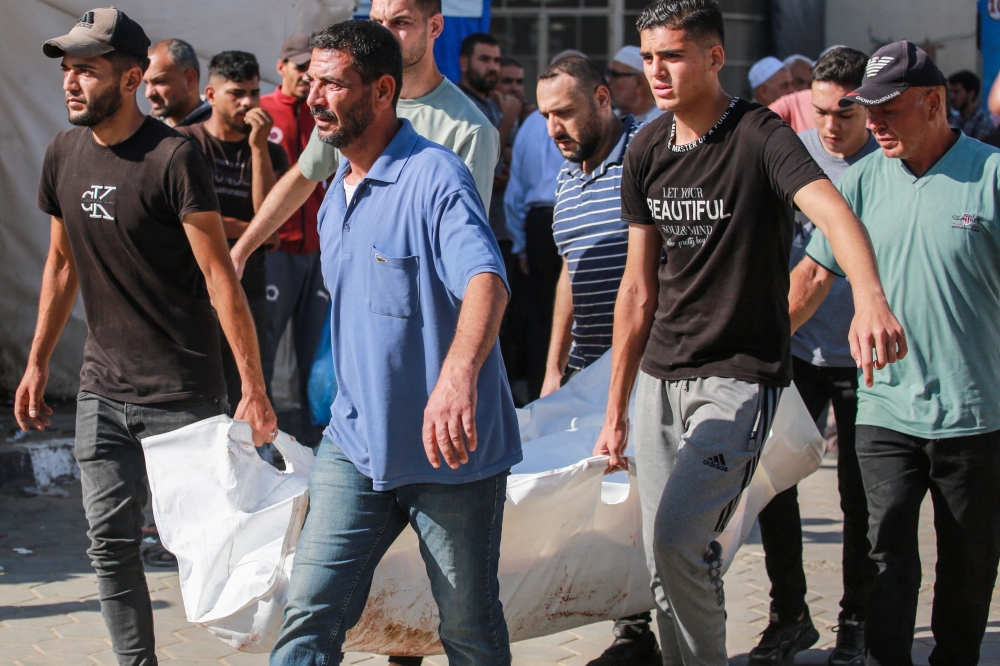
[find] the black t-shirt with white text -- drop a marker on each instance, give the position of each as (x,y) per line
(724,211)
(152,335)
(232,170)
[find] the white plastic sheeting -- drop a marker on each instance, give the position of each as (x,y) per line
(572,548)
(32,111)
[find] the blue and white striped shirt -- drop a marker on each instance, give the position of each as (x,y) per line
(593,239)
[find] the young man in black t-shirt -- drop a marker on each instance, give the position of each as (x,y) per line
(710,185)
(245,166)
(136,229)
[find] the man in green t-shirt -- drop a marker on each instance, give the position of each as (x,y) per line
(435,106)
(931,421)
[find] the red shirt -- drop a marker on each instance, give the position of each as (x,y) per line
(796,109)
(293,125)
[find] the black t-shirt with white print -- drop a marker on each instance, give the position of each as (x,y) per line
(152,335)
(724,210)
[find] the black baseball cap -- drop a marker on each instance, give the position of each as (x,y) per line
(891,70)
(100,31)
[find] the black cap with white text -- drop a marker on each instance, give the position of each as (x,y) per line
(891,70)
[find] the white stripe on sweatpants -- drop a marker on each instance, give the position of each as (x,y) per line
(697,445)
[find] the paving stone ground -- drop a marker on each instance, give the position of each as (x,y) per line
(49,612)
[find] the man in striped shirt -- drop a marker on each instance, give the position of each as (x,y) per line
(592,239)
(587,226)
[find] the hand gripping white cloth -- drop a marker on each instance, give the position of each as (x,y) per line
(571,555)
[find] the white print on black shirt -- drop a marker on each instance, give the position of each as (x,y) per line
(231,175)
(686,204)
(95,202)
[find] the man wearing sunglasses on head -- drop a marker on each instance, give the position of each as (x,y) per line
(630,92)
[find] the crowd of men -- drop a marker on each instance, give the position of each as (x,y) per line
(456,239)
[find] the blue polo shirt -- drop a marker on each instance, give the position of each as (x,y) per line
(397,262)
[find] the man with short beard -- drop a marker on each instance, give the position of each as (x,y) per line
(135,228)
(172,84)
(575,100)
(245,166)
(417,293)
(480,65)
(437,109)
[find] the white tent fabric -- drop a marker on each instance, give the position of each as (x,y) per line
(32,111)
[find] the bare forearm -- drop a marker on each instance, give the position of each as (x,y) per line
(59,289)
(810,284)
(234,228)
(262,179)
(634,311)
(237,325)
(287,196)
(478,324)
(562,325)
(852,247)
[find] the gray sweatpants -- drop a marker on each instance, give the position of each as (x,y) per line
(697,444)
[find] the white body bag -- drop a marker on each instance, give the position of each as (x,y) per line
(571,554)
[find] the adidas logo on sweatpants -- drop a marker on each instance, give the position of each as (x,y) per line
(718,462)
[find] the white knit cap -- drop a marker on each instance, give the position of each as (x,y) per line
(764,69)
(630,57)
(797,57)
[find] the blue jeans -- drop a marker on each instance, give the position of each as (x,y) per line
(349,528)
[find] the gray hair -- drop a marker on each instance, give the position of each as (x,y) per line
(182,54)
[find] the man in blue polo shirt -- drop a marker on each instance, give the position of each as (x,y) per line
(423,430)
(591,237)
(931,422)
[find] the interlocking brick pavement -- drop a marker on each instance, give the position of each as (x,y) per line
(49,612)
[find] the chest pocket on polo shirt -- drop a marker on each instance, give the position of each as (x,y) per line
(392,284)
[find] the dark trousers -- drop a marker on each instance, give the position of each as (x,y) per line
(234,385)
(113,477)
(544,266)
(296,293)
(780,523)
(512,329)
(963,477)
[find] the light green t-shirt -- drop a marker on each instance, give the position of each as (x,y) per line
(446,116)
(937,241)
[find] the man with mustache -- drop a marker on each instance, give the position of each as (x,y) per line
(136,230)
(480,64)
(576,102)
(245,166)
(423,430)
(437,109)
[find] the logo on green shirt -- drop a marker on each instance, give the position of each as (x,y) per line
(967,221)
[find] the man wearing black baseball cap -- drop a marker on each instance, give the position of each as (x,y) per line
(136,229)
(891,71)
(931,421)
